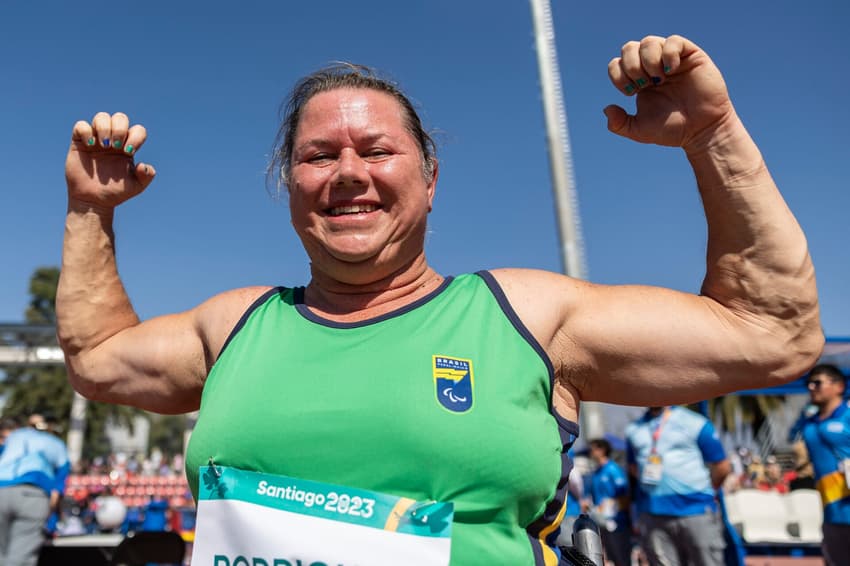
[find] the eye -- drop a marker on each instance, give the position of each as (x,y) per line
(319,158)
(376,153)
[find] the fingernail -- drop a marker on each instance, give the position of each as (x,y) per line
(105,142)
(666,68)
(656,80)
(117,144)
(147,170)
(629,89)
(641,82)
(129,148)
(91,141)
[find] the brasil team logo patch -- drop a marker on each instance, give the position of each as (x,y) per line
(453,382)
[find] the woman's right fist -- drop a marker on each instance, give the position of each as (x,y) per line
(99,168)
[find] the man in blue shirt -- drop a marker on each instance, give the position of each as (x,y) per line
(609,506)
(679,462)
(33,468)
(827,437)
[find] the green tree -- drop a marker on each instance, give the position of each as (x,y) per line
(45,389)
(166,433)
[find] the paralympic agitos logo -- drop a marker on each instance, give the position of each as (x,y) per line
(453,383)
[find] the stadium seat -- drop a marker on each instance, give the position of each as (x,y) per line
(761,515)
(806,514)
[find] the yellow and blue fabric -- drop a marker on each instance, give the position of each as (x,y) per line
(609,482)
(448,399)
(828,443)
(686,443)
(34,457)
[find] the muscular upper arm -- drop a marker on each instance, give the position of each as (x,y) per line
(161,364)
(639,345)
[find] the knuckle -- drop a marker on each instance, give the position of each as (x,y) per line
(120,116)
(650,40)
(629,45)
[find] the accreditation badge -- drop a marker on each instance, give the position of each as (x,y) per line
(249,518)
(652,470)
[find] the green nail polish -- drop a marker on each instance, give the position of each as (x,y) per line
(129,149)
(117,144)
(91,141)
(629,89)
(667,68)
(641,82)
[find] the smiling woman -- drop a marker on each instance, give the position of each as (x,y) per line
(450,402)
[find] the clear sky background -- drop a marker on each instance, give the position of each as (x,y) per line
(206,79)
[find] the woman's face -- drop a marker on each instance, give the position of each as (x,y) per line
(358,196)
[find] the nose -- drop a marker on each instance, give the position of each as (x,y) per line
(351,169)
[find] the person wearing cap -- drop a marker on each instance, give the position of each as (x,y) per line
(609,503)
(679,462)
(827,437)
(33,468)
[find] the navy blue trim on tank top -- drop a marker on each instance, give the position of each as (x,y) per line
(244,318)
(567,430)
(523,330)
(304,310)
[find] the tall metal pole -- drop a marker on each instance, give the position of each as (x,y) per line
(561,167)
(77,429)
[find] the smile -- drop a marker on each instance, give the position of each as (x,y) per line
(352,209)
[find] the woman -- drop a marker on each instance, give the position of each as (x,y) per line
(384,375)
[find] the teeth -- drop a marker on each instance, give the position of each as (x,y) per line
(352,209)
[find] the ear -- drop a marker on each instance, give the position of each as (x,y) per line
(432,185)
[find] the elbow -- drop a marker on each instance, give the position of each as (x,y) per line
(795,350)
(82,381)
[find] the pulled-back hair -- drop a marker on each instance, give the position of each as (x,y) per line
(338,76)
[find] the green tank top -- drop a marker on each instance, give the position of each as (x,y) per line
(446,399)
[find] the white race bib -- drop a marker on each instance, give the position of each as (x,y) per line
(252,519)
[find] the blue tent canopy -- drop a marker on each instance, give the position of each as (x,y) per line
(836,351)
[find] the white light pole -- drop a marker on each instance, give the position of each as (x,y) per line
(561,167)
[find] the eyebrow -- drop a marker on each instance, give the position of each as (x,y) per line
(322,142)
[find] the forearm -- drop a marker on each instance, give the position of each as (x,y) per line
(718,472)
(91,303)
(758,265)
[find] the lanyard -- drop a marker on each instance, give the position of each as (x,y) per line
(656,434)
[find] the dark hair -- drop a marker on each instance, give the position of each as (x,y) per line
(602,444)
(829,370)
(338,76)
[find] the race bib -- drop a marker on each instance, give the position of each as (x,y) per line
(253,519)
(652,470)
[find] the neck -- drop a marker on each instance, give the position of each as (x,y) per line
(829,406)
(344,301)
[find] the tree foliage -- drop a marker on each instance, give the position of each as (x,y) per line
(167,433)
(45,389)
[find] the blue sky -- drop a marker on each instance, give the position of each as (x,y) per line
(206,79)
